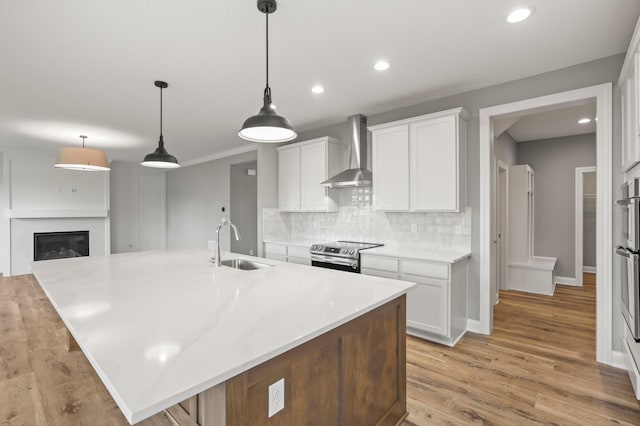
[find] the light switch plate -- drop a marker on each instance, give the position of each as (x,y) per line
(276,397)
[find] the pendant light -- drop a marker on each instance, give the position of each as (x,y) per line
(267,125)
(160,158)
(86,159)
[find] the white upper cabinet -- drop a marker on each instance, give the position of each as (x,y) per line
(629,83)
(302,167)
(419,164)
(390,164)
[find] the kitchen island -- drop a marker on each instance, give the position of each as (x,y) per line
(168,330)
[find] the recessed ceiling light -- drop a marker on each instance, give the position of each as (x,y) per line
(519,15)
(382,65)
(317,89)
(584,120)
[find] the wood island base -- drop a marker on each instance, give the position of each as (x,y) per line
(352,375)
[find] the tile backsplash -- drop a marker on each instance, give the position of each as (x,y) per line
(357,220)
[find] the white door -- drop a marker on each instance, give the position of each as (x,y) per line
(391,168)
(313,170)
(434,165)
(289,179)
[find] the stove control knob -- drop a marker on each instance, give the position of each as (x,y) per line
(352,251)
(314,247)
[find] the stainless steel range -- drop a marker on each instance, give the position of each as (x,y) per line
(340,255)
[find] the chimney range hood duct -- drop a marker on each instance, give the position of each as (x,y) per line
(357,174)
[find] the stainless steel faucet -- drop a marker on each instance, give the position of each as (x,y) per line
(235,231)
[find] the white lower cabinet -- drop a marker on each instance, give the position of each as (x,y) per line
(285,252)
(427,306)
(437,306)
(275,251)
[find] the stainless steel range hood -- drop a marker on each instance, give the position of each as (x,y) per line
(357,173)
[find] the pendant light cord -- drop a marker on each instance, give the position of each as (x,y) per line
(267,42)
(161,113)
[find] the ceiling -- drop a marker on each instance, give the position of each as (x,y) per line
(74,67)
(551,123)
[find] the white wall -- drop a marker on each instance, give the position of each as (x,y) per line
(195,197)
(38,197)
(138,207)
(506,149)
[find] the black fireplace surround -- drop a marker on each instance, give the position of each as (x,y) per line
(58,245)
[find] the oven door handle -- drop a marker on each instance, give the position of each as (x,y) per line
(335,260)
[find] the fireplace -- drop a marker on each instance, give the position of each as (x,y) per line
(58,245)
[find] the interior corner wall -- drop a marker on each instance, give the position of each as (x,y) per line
(195,198)
(605,70)
(554,162)
(505,149)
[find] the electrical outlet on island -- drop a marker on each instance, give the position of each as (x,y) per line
(276,397)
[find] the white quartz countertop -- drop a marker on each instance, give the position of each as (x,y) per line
(161,326)
(429,255)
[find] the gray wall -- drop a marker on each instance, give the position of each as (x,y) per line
(243,209)
(195,196)
(604,70)
(505,149)
(589,220)
(138,207)
(554,163)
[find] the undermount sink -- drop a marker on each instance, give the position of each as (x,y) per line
(244,264)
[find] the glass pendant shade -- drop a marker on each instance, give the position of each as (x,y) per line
(267,126)
(81,158)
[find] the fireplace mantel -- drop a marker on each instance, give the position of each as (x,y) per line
(56,213)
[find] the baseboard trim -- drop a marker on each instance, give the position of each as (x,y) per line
(589,269)
(567,281)
(474,326)
(618,360)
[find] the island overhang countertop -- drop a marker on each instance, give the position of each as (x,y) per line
(161,326)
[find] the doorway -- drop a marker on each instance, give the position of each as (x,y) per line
(603,98)
(585,210)
(243,206)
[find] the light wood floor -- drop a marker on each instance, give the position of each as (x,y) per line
(537,368)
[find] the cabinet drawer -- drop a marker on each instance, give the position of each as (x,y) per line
(298,251)
(427,269)
(273,248)
(299,261)
(272,256)
(389,264)
(377,273)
